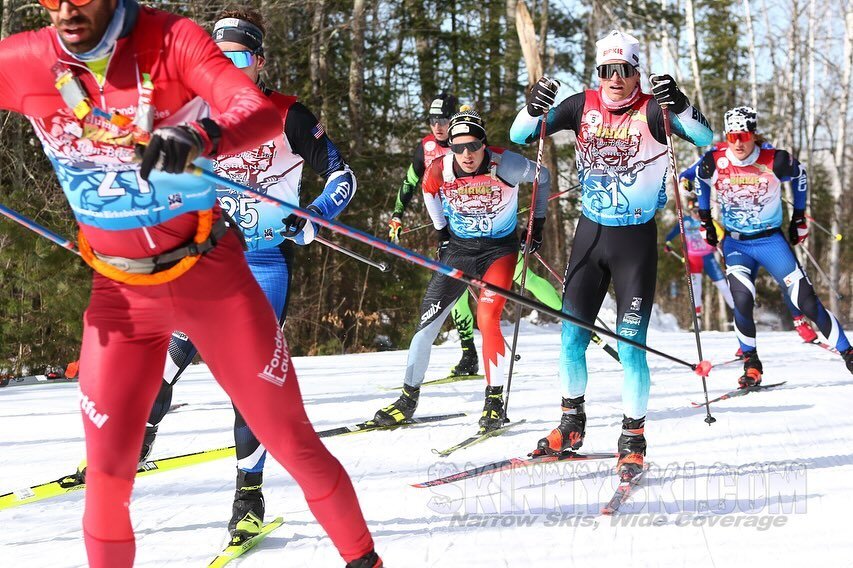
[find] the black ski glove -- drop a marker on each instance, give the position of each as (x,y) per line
(798,230)
(293,225)
(535,237)
(667,93)
(708,227)
(443,237)
(171,149)
(542,96)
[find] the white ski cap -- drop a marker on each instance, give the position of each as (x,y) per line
(741,119)
(618,45)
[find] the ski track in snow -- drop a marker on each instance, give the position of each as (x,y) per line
(732,470)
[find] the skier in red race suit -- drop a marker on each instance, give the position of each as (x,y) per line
(106,78)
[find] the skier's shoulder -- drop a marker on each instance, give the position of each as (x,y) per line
(286,103)
(433,176)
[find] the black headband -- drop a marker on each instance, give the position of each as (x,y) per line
(239,31)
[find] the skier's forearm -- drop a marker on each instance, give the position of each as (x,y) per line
(671,235)
(800,186)
(692,126)
(406,191)
(432,201)
(543,192)
(525,128)
(703,193)
(337,193)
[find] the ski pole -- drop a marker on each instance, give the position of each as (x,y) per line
(473,293)
(520,212)
(673,167)
(701,368)
(595,338)
(836,236)
(39,229)
(676,255)
(822,273)
(381,266)
(525,258)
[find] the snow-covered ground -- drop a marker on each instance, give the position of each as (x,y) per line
(769,483)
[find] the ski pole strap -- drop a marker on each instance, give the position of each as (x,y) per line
(160,269)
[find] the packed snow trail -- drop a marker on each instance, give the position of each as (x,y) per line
(529,517)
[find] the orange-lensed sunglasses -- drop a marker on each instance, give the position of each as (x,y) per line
(53,5)
(733,137)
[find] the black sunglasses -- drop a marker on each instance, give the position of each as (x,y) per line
(438,121)
(624,70)
(470,146)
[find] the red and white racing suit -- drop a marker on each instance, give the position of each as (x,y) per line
(217,302)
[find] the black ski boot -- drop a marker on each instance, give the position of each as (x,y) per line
(848,358)
(752,370)
(632,448)
(369,560)
(469,364)
(247,513)
(147,443)
(569,434)
(493,410)
(402,409)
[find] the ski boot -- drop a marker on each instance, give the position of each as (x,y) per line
(147,444)
(493,410)
(79,476)
(752,370)
(469,364)
(805,329)
(247,513)
(632,448)
(848,358)
(402,409)
(75,478)
(569,434)
(369,560)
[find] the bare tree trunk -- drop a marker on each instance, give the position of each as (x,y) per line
(527,40)
(318,69)
(423,49)
(493,21)
(589,43)
(6,18)
(664,41)
(777,93)
(554,241)
(512,55)
(694,54)
(840,180)
(810,112)
(543,31)
(750,40)
(356,77)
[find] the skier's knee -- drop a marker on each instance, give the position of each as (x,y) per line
(575,340)
(631,357)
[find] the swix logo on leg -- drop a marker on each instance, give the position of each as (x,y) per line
(276,371)
(433,309)
(88,407)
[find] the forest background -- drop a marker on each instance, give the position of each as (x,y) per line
(368,69)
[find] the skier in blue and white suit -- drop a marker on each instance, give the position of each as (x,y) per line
(269,231)
(748,183)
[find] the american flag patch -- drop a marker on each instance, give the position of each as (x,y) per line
(318,131)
